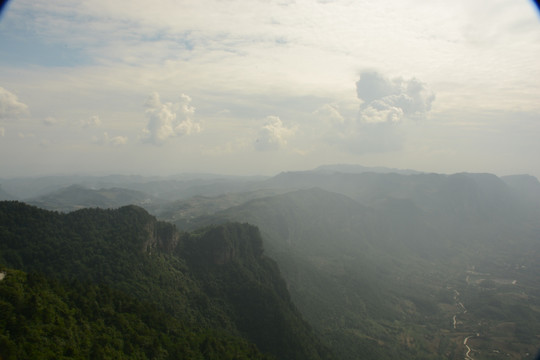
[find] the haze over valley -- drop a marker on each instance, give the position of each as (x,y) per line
(380,262)
(278,179)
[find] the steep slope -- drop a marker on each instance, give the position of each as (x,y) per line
(228,262)
(527,189)
(384,281)
(340,259)
(215,278)
(42,318)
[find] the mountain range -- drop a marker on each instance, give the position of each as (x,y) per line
(371,263)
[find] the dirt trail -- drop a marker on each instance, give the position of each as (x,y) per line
(455,322)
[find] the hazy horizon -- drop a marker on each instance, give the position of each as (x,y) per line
(257,88)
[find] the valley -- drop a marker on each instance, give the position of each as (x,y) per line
(380,264)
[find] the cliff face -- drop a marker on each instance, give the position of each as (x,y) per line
(228,261)
(220,245)
(161,237)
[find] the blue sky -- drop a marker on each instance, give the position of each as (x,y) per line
(258,87)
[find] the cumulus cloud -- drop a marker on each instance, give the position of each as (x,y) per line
(26,135)
(108,140)
(10,106)
(92,121)
(329,114)
(392,100)
(166,120)
(385,104)
(115,140)
(49,121)
(356,136)
(273,134)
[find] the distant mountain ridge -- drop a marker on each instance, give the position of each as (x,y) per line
(382,263)
(51,192)
(362,250)
(4,195)
(358,169)
(165,187)
(76,197)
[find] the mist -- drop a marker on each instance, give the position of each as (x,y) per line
(310,179)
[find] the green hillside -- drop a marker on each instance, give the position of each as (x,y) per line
(41,318)
(214,279)
(382,281)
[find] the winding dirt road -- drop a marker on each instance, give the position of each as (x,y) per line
(460,305)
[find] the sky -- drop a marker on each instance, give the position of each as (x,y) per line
(259,87)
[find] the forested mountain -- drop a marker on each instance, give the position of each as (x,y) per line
(215,279)
(42,318)
(405,266)
(381,264)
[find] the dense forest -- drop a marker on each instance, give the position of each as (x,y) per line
(42,318)
(322,264)
(124,285)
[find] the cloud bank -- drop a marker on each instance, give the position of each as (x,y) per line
(378,126)
(50,121)
(10,106)
(273,135)
(166,120)
(92,121)
(115,140)
(392,100)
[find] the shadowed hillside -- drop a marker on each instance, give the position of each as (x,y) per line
(400,266)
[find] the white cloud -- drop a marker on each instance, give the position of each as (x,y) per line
(273,134)
(45,143)
(392,101)
(106,139)
(381,112)
(2,131)
(329,114)
(356,136)
(26,135)
(252,55)
(10,106)
(115,140)
(377,127)
(166,120)
(92,121)
(50,121)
